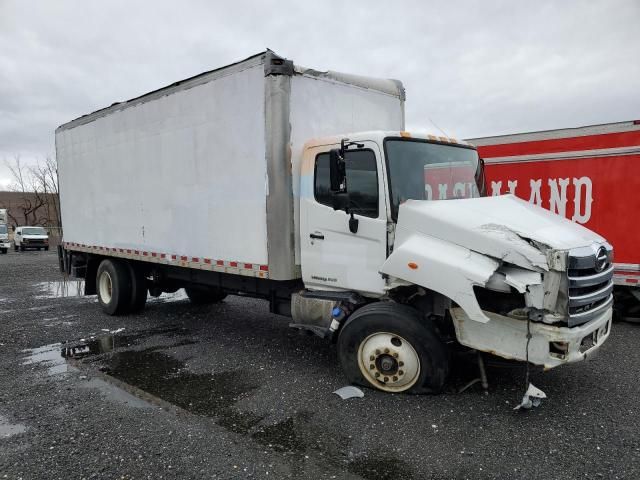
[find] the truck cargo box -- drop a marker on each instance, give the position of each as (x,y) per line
(203,173)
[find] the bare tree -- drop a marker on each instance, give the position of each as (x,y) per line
(45,175)
(38,202)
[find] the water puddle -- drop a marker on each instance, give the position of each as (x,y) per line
(8,429)
(60,289)
(55,355)
(208,394)
(49,356)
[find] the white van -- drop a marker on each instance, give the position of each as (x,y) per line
(30,237)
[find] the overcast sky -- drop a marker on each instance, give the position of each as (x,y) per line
(475,68)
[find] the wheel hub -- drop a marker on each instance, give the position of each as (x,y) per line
(388,362)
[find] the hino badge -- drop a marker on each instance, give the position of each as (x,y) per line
(302,188)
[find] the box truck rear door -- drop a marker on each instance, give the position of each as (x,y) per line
(333,256)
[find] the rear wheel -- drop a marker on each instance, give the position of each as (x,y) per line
(390,347)
(46,249)
(139,288)
(15,247)
(113,284)
(204,295)
(4,251)
(22,248)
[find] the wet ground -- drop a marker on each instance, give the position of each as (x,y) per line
(229,391)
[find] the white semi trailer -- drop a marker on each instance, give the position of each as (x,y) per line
(302,188)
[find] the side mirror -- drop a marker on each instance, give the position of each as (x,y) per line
(481,179)
(337,171)
(340,200)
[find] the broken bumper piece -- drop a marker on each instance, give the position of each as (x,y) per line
(550,345)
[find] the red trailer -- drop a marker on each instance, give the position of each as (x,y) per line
(590,175)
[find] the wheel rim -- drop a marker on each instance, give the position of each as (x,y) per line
(388,362)
(105,287)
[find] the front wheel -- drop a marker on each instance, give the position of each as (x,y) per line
(4,251)
(390,347)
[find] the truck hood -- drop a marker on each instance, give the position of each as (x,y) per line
(503,227)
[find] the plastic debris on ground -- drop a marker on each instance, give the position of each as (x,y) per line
(349,392)
(532,398)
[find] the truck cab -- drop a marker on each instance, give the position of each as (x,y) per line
(398,216)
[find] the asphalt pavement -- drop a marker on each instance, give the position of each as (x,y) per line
(230,391)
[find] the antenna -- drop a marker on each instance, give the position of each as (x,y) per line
(434,124)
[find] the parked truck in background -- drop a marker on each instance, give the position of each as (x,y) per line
(302,188)
(587,174)
(4,232)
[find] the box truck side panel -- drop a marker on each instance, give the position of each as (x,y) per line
(323,107)
(181,174)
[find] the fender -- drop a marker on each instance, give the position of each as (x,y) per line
(443,267)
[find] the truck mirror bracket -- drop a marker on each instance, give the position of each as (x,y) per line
(353,224)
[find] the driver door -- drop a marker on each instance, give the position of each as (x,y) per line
(334,257)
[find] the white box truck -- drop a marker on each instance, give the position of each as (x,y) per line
(4,231)
(302,188)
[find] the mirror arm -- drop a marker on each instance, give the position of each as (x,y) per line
(353,223)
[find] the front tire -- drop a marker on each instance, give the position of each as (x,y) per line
(4,251)
(113,284)
(390,347)
(204,295)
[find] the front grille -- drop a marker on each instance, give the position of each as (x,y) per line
(590,276)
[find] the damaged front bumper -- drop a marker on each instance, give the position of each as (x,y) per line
(549,346)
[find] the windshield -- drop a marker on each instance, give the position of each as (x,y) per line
(419,170)
(3,229)
(34,231)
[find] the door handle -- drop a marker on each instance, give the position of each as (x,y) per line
(317,236)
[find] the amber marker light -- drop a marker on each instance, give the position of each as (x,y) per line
(412,265)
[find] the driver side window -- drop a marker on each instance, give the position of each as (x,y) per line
(362,181)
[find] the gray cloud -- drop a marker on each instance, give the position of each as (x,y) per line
(474,68)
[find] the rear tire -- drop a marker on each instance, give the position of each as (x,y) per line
(15,247)
(4,251)
(22,248)
(139,288)
(46,249)
(390,347)
(113,285)
(204,295)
